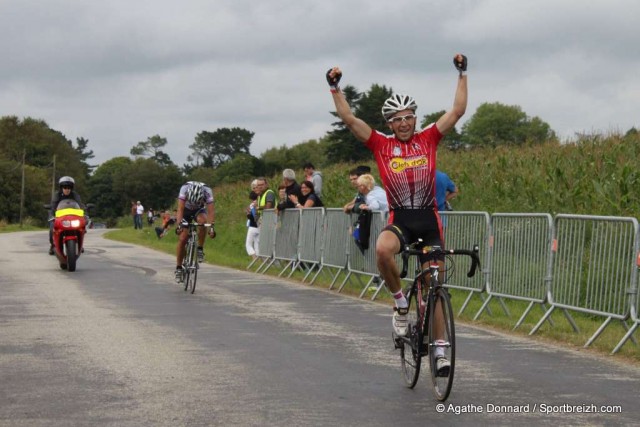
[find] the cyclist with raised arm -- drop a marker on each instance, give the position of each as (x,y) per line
(195,203)
(407,165)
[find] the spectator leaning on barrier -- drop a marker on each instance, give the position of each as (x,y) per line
(291,188)
(375,196)
(312,199)
(354,205)
(266,196)
(311,174)
(445,191)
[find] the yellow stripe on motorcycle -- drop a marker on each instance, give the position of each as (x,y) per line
(69,211)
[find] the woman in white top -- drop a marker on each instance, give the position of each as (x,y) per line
(375,196)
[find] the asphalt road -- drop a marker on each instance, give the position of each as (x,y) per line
(119,343)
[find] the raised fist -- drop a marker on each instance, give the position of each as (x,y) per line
(333,76)
(460,61)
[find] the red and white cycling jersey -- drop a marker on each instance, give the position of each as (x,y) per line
(408,169)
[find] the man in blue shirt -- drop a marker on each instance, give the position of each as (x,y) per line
(445,191)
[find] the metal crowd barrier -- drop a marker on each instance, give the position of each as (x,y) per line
(361,263)
(586,264)
(336,235)
(311,240)
(520,259)
(463,230)
(593,269)
(267,236)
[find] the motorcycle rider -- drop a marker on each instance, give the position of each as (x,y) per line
(65,191)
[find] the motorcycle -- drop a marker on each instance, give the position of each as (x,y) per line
(69,228)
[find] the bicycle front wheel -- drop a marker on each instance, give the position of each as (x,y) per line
(411,345)
(192,277)
(187,263)
(442,343)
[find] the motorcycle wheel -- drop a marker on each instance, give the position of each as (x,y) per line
(72,255)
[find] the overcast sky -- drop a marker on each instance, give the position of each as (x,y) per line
(116,72)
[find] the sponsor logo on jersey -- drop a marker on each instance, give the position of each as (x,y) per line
(398,164)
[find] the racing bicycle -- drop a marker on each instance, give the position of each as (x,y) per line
(429,299)
(190,262)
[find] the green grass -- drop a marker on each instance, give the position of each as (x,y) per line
(12,228)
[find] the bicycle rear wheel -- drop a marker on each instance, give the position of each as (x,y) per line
(442,381)
(410,353)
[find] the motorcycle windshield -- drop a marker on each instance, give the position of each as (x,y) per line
(68,207)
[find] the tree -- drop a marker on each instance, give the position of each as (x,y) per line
(275,159)
(452,138)
(342,145)
(39,144)
(496,124)
(107,188)
(152,148)
(242,167)
(215,148)
(84,154)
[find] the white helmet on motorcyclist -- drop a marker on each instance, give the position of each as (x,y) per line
(398,103)
(195,193)
(66,181)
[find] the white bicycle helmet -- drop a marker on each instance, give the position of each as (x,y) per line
(66,181)
(195,192)
(397,103)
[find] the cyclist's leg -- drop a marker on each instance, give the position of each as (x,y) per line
(183,237)
(387,245)
(201,218)
(180,249)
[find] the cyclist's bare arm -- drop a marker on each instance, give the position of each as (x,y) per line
(451,117)
(358,127)
(180,212)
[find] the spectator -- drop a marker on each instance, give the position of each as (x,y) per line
(282,195)
(266,197)
(291,187)
(167,221)
(354,205)
(139,212)
(311,174)
(134,212)
(445,191)
(375,196)
(150,217)
(253,233)
(312,199)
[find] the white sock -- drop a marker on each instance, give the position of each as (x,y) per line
(439,348)
(400,300)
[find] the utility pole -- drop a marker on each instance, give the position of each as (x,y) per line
(24,155)
(53,177)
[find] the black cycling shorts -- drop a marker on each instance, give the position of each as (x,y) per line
(190,215)
(409,225)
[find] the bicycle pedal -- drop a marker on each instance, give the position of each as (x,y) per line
(397,341)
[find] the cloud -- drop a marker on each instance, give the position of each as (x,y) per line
(118,72)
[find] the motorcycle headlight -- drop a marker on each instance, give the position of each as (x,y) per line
(71,223)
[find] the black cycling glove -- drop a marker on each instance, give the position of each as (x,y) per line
(333,81)
(461,65)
